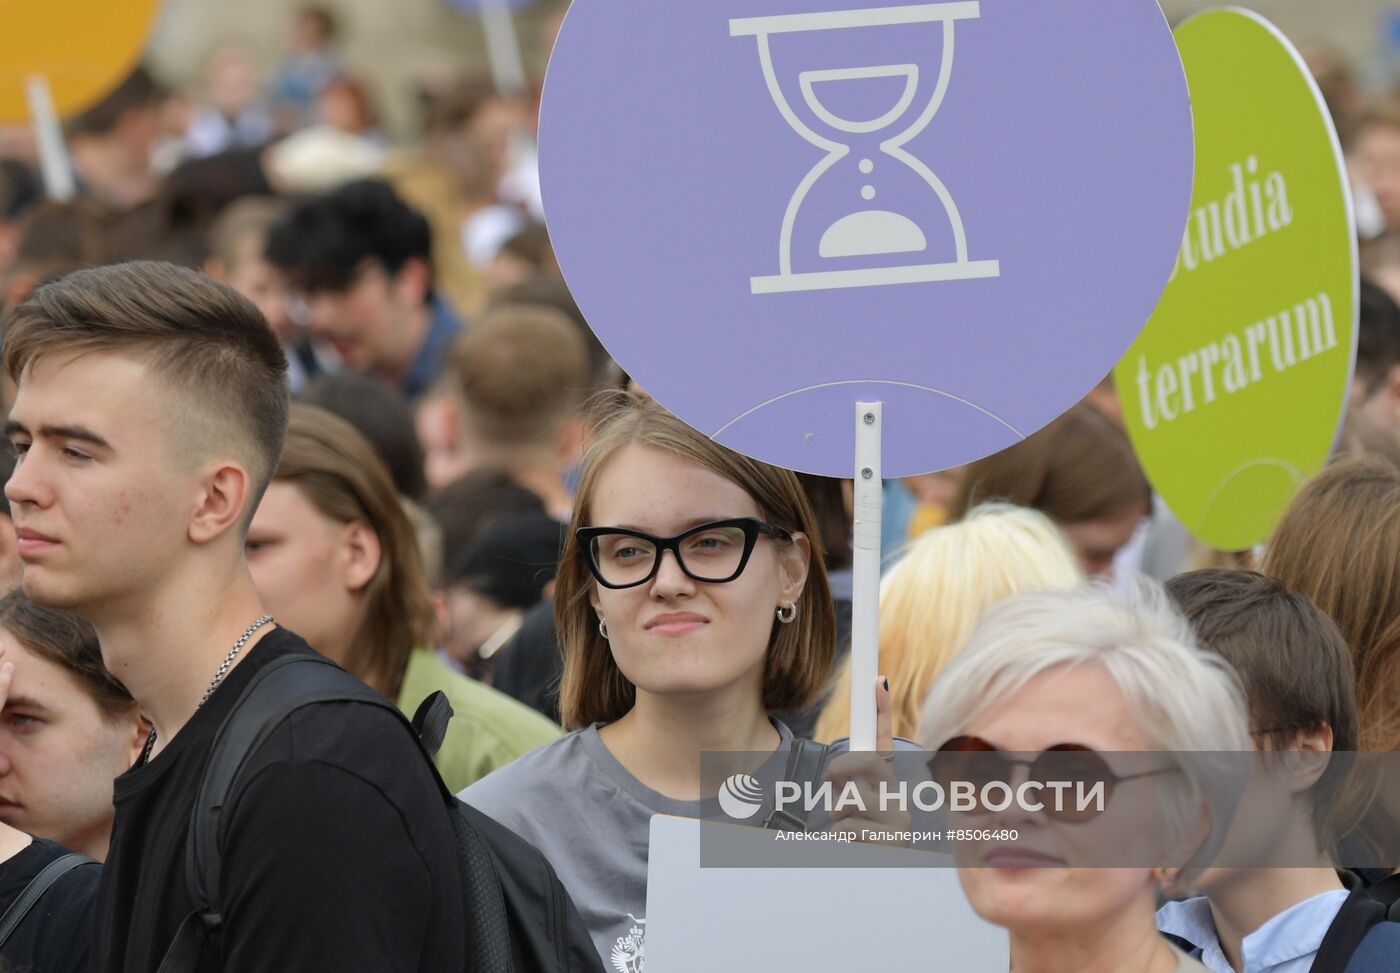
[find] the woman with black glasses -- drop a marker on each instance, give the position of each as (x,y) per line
(1065,694)
(691,602)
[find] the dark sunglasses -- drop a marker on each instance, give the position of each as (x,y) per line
(978,762)
(714,553)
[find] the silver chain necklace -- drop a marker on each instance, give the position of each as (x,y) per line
(218,677)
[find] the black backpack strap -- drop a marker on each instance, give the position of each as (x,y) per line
(35,890)
(1359,913)
(187,946)
(276,691)
(430,722)
(806,762)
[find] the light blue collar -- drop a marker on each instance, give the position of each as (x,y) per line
(1287,943)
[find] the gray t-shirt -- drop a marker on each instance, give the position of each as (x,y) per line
(591,818)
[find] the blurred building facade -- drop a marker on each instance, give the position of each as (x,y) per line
(394,44)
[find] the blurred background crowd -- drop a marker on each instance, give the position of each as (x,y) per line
(353,169)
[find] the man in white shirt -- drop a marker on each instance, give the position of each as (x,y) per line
(1296,671)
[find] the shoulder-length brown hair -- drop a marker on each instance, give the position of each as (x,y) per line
(342,476)
(799,654)
(1339,543)
(1080,467)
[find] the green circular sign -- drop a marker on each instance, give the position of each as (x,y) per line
(1234,392)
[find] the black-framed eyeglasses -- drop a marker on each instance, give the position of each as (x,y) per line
(979,762)
(713,553)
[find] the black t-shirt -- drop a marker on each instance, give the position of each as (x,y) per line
(339,853)
(56,933)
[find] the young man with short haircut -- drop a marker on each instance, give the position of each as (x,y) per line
(66,732)
(360,259)
(150,414)
(1296,673)
(520,376)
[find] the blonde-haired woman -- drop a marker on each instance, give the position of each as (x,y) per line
(934,597)
(1115,692)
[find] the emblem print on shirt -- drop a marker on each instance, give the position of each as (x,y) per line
(629,953)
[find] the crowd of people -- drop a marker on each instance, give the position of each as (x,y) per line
(279,387)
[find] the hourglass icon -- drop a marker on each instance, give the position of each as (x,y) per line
(871,244)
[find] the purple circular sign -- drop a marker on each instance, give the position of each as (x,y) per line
(769,210)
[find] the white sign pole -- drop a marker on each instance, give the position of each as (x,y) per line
(54,164)
(503,47)
(865,602)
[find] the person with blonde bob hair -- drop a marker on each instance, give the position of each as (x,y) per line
(1109,681)
(1339,544)
(691,602)
(932,599)
(334,555)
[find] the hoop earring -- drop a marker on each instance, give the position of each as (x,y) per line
(603,628)
(791,613)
